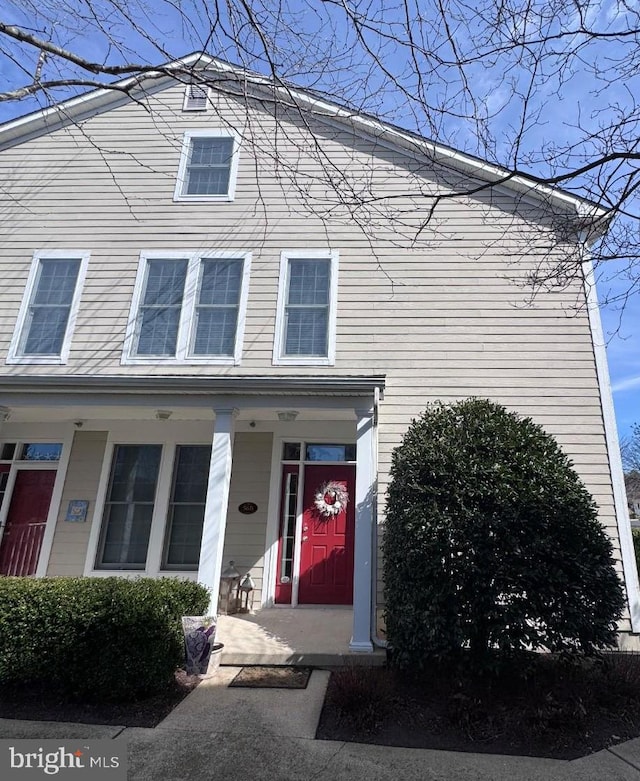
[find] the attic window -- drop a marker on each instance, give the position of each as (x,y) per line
(208,166)
(196,98)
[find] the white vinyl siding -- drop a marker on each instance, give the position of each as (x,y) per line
(49,308)
(306,317)
(208,166)
(188,308)
(69,548)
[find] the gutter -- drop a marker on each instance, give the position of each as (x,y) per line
(347,385)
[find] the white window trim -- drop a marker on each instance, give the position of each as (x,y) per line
(178,195)
(186,324)
(279,359)
(14,356)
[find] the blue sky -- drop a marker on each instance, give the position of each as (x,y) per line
(327,57)
(623,352)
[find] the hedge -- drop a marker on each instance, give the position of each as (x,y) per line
(95,638)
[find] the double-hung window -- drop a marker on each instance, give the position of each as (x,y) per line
(208,166)
(306,317)
(129,507)
(188,308)
(185,515)
(49,308)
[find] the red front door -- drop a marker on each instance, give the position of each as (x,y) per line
(326,555)
(26,521)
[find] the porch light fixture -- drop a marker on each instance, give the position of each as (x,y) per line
(229,583)
(246,594)
(5,414)
(163,414)
(288,416)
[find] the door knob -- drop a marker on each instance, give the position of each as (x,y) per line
(305,538)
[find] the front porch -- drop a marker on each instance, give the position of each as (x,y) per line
(314,636)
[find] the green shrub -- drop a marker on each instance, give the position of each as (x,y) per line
(95,638)
(492,543)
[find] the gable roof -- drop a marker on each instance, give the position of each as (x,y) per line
(156,78)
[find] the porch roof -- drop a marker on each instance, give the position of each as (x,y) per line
(254,385)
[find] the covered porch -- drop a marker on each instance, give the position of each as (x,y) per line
(313,636)
(211,456)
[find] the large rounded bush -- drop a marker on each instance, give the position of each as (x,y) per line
(492,542)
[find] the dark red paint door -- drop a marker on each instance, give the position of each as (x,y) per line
(26,521)
(326,555)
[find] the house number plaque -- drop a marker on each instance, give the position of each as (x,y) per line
(248,508)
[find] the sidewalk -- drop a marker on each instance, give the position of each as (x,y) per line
(268,735)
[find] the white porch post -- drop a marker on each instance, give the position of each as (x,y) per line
(363,546)
(215,510)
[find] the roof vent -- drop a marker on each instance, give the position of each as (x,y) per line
(196,98)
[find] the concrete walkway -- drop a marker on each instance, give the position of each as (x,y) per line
(268,735)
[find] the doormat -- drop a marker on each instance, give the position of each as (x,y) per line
(272,678)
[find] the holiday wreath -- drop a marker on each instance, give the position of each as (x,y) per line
(331,498)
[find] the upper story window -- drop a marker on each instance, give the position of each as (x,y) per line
(208,166)
(306,318)
(49,308)
(188,308)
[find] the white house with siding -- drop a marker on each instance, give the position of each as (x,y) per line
(222,305)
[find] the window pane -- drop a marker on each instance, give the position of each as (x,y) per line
(165,282)
(220,282)
(209,166)
(192,473)
(186,507)
(322,452)
(129,507)
(215,332)
(288,530)
(208,181)
(41,451)
(211,151)
(217,308)
(159,314)
(309,282)
(8,449)
(46,329)
(49,308)
(291,451)
(56,282)
(306,332)
(158,331)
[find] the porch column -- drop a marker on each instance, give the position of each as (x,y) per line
(215,509)
(363,544)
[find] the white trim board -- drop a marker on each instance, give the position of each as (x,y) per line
(632,584)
